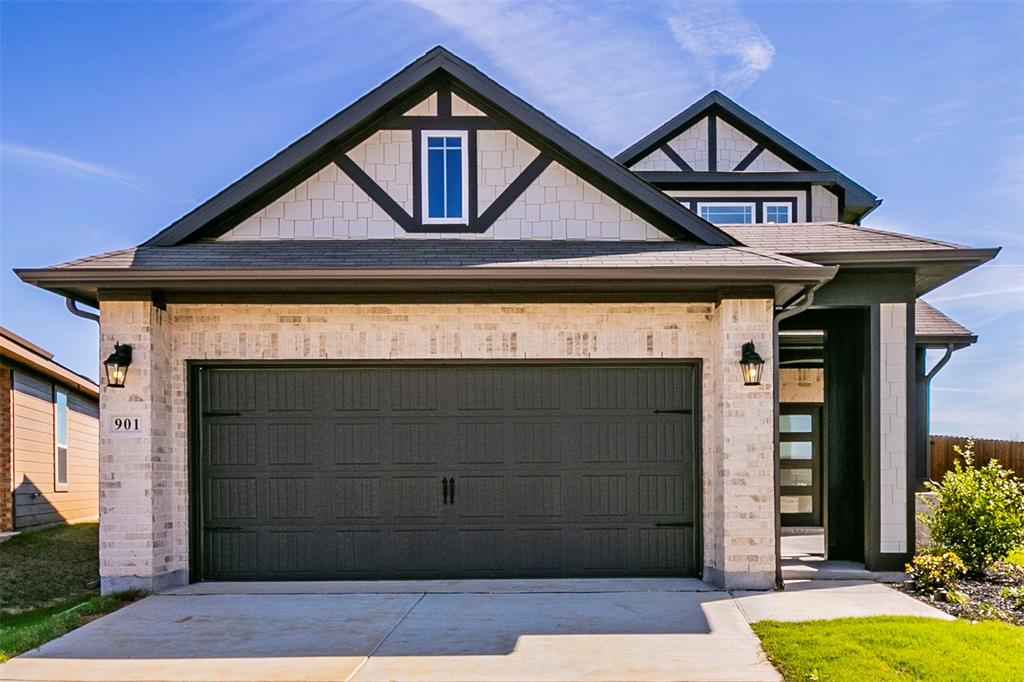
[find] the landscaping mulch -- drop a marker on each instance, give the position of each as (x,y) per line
(998,596)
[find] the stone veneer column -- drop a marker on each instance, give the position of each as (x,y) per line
(744,451)
(137,474)
(893,428)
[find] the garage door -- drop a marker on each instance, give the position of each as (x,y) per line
(417,471)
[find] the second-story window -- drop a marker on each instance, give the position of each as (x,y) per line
(444,177)
(777,213)
(726,213)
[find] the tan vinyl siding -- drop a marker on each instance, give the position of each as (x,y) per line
(33,408)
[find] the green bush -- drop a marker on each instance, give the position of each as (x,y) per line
(933,572)
(980,512)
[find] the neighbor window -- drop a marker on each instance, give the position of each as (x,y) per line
(777,213)
(445,175)
(726,213)
(60,432)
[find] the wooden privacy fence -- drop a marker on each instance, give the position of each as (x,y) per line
(1009,453)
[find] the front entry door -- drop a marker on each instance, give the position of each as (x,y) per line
(800,455)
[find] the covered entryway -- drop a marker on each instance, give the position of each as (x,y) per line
(412,470)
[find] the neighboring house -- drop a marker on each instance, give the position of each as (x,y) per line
(49,439)
(442,336)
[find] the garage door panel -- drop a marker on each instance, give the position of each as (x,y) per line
(357,497)
(557,470)
(416,443)
(415,497)
(357,443)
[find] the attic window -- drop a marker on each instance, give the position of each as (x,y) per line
(445,177)
(777,213)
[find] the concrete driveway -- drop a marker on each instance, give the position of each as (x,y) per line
(458,630)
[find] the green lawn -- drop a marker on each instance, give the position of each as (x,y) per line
(47,586)
(894,648)
(48,567)
(1016,557)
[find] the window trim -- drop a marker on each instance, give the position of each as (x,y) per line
(728,204)
(58,485)
(785,204)
(425,177)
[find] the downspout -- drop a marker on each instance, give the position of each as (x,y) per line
(923,391)
(939,365)
(796,309)
(74,310)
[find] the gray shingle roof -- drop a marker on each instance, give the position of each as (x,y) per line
(829,237)
(429,254)
(930,322)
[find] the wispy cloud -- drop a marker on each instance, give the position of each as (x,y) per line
(729,46)
(60,163)
(600,70)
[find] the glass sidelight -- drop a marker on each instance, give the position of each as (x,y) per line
(800,463)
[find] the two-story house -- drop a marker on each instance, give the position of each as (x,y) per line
(442,336)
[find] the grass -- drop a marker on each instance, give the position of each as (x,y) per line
(894,648)
(1016,557)
(48,568)
(48,587)
(28,630)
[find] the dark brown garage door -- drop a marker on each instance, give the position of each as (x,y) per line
(416,471)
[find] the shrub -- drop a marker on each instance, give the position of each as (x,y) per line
(933,572)
(980,512)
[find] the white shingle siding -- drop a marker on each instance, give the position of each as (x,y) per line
(692,145)
(824,205)
(557,205)
(893,426)
(767,161)
(561,205)
(427,107)
(733,146)
(655,161)
(387,158)
(461,107)
(501,157)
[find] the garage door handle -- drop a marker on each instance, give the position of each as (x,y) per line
(673,412)
(675,524)
(444,490)
(222,414)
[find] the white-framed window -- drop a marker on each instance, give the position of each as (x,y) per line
(726,212)
(777,212)
(445,176)
(60,439)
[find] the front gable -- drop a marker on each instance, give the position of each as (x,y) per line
(361,175)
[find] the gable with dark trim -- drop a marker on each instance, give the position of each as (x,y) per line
(438,70)
(716,108)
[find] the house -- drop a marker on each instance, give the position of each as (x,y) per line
(442,336)
(49,439)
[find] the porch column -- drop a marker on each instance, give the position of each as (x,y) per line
(743,513)
(142,514)
(895,376)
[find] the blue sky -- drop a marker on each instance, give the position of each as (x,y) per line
(117,118)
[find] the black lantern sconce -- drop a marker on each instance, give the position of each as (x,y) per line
(117,365)
(751,363)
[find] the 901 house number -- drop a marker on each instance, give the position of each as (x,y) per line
(125,424)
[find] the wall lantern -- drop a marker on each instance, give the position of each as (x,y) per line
(751,363)
(117,365)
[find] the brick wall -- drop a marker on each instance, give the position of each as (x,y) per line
(6,451)
(144,499)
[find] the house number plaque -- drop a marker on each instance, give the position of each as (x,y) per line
(125,425)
